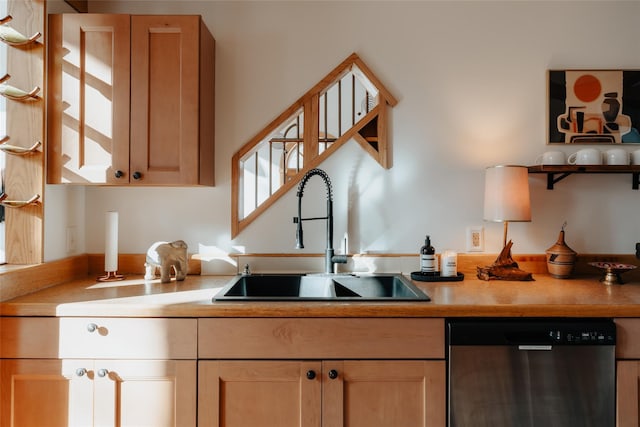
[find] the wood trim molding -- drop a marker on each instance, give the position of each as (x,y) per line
(467,263)
(132,264)
(28,279)
(22,280)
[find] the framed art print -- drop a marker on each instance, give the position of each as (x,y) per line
(594,107)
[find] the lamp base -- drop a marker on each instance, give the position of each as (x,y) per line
(110,276)
(504,268)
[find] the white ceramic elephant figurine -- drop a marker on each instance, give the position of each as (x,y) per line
(165,255)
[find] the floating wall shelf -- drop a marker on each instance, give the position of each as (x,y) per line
(556,173)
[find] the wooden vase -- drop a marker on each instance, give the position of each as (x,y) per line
(561,258)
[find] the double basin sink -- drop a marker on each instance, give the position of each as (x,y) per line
(320,287)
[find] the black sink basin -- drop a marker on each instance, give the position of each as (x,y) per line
(299,287)
(391,287)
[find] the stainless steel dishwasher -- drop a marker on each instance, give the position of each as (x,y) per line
(531,373)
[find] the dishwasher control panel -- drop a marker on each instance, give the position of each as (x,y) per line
(532,332)
(582,336)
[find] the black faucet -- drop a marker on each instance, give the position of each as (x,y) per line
(329,258)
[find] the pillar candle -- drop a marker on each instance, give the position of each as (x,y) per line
(111,242)
(448,264)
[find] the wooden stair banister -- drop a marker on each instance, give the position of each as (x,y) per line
(369,131)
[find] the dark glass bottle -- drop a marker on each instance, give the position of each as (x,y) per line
(428,258)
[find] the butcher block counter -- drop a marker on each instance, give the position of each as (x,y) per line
(546,296)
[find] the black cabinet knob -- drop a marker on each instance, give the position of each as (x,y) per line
(333,374)
(119,174)
(137,175)
(311,374)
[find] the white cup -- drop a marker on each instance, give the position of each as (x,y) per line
(616,156)
(551,158)
(586,156)
(635,157)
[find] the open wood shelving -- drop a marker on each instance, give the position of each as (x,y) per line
(556,173)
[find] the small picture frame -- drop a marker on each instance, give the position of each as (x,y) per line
(475,238)
(593,107)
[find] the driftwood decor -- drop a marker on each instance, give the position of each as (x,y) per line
(504,268)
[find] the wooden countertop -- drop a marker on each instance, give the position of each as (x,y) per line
(584,296)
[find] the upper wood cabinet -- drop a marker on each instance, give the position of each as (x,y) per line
(131,100)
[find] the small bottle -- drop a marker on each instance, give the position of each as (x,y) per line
(428,258)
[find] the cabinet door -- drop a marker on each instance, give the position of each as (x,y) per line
(88,102)
(98,393)
(45,392)
(142,393)
(363,393)
(628,402)
(259,393)
(165,99)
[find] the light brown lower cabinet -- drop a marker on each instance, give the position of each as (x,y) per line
(384,393)
(321,372)
(354,393)
(51,392)
(85,372)
(628,393)
(628,372)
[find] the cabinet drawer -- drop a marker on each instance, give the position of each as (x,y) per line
(628,338)
(99,338)
(128,338)
(340,338)
(29,337)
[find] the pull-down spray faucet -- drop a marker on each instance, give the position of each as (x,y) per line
(329,259)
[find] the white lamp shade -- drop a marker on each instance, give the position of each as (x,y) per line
(506,194)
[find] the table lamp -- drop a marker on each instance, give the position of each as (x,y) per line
(506,199)
(506,195)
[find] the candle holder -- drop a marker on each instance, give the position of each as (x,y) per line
(612,271)
(111,276)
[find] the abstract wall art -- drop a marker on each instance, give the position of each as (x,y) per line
(594,107)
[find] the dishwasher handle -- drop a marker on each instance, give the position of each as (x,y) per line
(525,347)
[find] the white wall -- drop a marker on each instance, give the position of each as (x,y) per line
(470,78)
